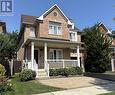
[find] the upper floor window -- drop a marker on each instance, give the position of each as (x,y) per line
(55,28)
(32,31)
(73,36)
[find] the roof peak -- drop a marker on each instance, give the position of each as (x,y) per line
(55,5)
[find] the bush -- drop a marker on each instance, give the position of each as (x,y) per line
(66,71)
(2,70)
(27,75)
(4,85)
(79,70)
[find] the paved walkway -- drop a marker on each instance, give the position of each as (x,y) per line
(92,90)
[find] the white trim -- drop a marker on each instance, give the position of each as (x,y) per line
(41,17)
(32,55)
(78,56)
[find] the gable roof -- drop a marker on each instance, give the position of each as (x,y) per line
(50,9)
(105,28)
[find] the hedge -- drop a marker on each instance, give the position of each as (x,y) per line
(66,71)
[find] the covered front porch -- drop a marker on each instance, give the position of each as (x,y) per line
(46,54)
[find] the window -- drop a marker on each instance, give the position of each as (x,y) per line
(55,54)
(73,36)
(32,31)
(55,28)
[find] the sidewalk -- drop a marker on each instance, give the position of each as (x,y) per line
(92,90)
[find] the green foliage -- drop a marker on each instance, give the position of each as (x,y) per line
(97,50)
(8,44)
(5,85)
(75,71)
(2,70)
(27,75)
(66,71)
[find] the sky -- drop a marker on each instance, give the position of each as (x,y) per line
(85,13)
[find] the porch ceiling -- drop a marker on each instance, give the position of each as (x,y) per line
(52,43)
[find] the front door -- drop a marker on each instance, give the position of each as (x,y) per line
(36,55)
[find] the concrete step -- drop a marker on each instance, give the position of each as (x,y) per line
(40,70)
(42,74)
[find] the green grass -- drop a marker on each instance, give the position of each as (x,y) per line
(29,88)
(113,93)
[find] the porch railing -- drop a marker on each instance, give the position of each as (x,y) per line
(62,63)
(47,68)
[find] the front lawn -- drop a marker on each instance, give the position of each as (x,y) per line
(29,88)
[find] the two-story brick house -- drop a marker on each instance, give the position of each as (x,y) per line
(49,41)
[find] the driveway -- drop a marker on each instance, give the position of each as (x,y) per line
(74,82)
(93,90)
(79,86)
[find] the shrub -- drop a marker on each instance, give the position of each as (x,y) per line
(2,70)
(4,85)
(79,70)
(72,71)
(27,75)
(54,72)
(66,71)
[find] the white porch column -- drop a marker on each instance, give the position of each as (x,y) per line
(112,64)
(78,56)
(32,55)
(45,54)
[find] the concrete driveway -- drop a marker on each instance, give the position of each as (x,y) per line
(93,90)
(79,86)
(74,82)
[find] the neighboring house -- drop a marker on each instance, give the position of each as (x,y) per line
(110,34)
(49,41)
(2,27)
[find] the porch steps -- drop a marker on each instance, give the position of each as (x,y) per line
(42,74)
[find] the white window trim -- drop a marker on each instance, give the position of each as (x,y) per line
(53,31)
(50,50)
(75,36)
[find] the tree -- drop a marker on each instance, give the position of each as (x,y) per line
(97,50)
(8,46)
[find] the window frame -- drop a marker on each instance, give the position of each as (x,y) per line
(56,51)
(53,25)
(70,36)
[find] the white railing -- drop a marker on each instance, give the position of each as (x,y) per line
(47,68)
(28,65)
(35,67)
(62,63)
